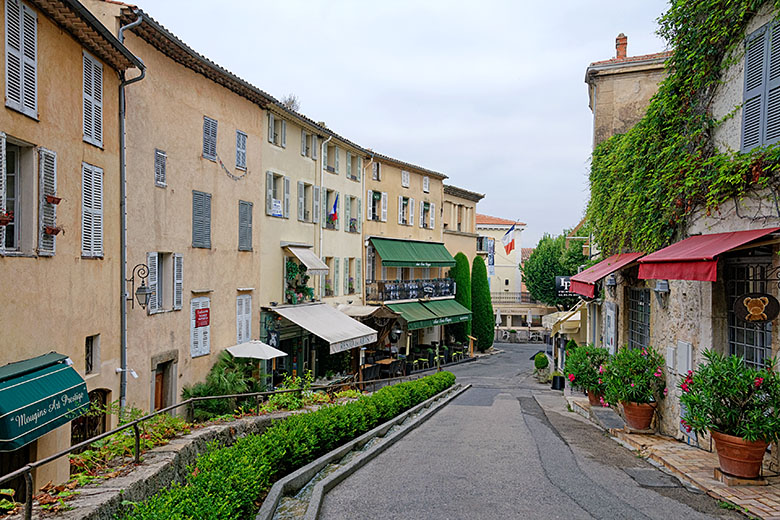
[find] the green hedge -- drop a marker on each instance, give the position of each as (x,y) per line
(226,483)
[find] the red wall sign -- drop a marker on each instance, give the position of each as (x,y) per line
(202,317)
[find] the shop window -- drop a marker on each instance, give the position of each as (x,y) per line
(92,423)
(92,354)
(750,341)
(638,318)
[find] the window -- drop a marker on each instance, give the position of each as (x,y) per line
(243,318)
(308,144)
(308,202)
(405,179)
(405,210)
(370,263)
(92,354)
(638,318)
(200,326)
(376,206)
(752,342)
(426,184)
(201,219)
(330,212)
(91,211)
(165,281)
(376,172)
(277,197)
(327,288)
(427,215)
(349,273)
(21,58)
(209,138)
(93,100)
(761,98)
(240,150)
(354,166)
(277,130)
(160,160)
(331,158)
(353,211)
(244,225)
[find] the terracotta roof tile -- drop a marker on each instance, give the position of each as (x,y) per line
(632,59)
(525,253)
(496,221)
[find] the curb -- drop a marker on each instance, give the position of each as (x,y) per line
(296,480)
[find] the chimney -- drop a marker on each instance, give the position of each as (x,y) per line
(621,45)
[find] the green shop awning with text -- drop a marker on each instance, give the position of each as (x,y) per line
(36,396)
(409,253)
(448,311)
(419,315)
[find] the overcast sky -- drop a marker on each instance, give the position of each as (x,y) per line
(491,93)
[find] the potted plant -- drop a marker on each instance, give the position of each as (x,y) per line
(738,405)
(6,217)
(635,379)
(585,367)
(541,363)
(52,230)
(52,199)
(558,382)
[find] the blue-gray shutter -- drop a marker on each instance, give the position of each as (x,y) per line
(349,164)
(209,138)
(324,207)
(753,121)
(358,274)
(336,158)
(335,285)
(315,213)
(201,219)
(241,138)
(47,164)
(271,128)
(346,275)
(773,87)
(286,197)
(244,225)
(269,192)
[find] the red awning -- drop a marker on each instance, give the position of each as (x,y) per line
(584,283)
(695,258)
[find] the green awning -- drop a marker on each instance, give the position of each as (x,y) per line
(408,253)
(415,314)
(36,396)
(448,311)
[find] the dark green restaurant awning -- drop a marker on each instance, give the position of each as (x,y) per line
(409,253)
(419,315)
(36,396)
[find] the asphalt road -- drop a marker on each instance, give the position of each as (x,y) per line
(508,448)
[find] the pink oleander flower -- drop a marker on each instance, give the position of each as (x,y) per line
(601,369)
(632,384)
(602,402)
(600,382)
(658,374)
(666,392)
(758,381)
(684,387)
(571,377)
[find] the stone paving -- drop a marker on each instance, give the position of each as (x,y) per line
(696,466)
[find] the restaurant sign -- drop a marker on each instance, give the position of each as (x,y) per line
(201,317)
(756,308)
(348,344)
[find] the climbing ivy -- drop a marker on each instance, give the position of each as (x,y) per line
(646,183)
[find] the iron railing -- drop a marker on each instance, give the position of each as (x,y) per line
(511,297)
(393,290)
(26,471)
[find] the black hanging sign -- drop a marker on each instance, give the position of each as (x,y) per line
(756,307)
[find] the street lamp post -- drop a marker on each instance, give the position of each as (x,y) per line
(144,293)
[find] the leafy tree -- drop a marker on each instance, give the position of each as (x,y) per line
(462,276)
(552,258)
(481,306)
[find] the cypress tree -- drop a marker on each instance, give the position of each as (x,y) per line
(481,306)
(462,276)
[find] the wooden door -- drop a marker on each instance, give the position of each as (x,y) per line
(159,390)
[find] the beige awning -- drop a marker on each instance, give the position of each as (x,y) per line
(335,327)
(365,311)
(307,257)
(569,323)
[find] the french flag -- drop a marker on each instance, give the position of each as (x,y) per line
(509,240)
(334,212)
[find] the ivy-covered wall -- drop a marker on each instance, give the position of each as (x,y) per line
(679,161)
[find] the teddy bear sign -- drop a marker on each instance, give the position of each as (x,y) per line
(756,307)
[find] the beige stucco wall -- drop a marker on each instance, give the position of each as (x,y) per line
(507,266)
(64,297)
(464,211)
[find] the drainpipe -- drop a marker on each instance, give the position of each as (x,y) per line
(123,215)
(365,248)
(323,147)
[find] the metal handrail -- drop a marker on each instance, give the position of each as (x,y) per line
(26,470)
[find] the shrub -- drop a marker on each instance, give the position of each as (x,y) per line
(482,316)
(731,398)
(540,361)
(461,274)
(635,375)
(226,482)
(585,367)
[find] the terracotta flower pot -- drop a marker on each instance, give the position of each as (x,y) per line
(594,398)
(4,221)
(638,415)
(737,456)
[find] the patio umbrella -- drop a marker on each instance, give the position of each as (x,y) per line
(498,317)
(255,349)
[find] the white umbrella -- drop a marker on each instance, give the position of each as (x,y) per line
(255,349)
(498,317)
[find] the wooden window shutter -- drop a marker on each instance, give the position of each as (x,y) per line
(325,156)
(240,319)
(209,138)
(426,184)
(433,214)
(401,219)
(358,274)
(773,87)
(335,276)
(347,211)
(359,168)
(244,225)
(93,100)
(47,175)
(314,146)
(346,275)
(30,64)
(369,205)
(301,201)
(200,343)
(315,213)
(404,179)
(240,150)
(207,220)
(247,317)
(151,263)
(284,133)
(13,54)
(271,128)
(753,121)
(2,180)
(349,164)
(359,216)
(201,219)
(178,281)
(286,197)
(91,211)
(410,222)
(324,207)
(336,158)
(384,206)
(269,192)
(160,160)
(303,142)
(86,213)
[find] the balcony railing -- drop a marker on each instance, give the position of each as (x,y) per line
(511,297)
(392,290)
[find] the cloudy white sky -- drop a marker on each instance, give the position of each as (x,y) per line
(490,93)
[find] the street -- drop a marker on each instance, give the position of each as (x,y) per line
(508,448)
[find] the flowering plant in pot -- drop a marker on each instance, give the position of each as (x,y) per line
(585,367)
(739,405)
(635,379)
